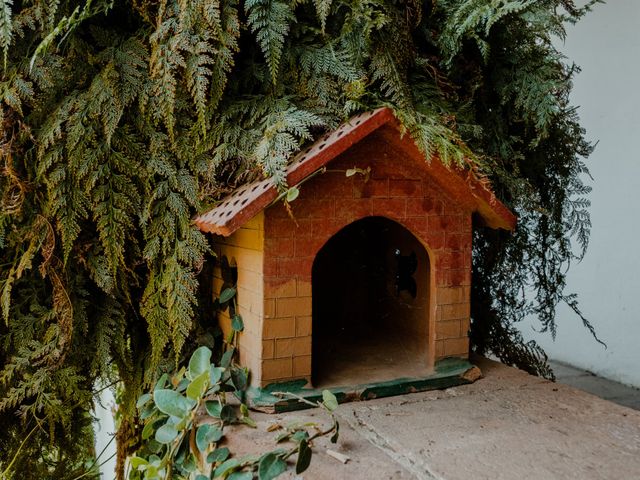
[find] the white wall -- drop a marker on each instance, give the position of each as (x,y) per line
(104,428)
(606,44)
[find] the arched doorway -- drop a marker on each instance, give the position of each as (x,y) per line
(371,291)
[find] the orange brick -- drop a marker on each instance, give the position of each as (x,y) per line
(304,288)
(455,311)
(284,347)
(291,307)
(279,328)
(269,308)
(268,349)
(276,368)
(390,207)
(302,366)
(276,287)
(303,326)
(405,188)
(456,346)
(448,295)
(276,247)
(439,348)
(465,326)
(302,346)
(448,329)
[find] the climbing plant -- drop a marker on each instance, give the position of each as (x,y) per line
(122,119)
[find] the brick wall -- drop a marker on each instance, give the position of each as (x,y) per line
(245,247)
(398,189)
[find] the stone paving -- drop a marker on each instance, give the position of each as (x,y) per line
(508,425)
(601,387)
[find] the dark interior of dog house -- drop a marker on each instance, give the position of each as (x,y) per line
(370,305)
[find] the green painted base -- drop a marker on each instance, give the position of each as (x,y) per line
(448,372)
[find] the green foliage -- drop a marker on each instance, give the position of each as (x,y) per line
(120,120)
(184,422)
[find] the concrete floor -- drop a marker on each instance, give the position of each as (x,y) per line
(508,425)
(586,381)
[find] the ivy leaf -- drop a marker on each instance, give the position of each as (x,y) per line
(270,466)
(237,324)
(329,400)
(304,457)
(198,386)
(199,362)
(218,455)
(207,434)
(172,403)
(166,434)
(227,294)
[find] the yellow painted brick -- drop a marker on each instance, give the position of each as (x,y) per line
(455,311)
(303,326)
(256,223)
(282,289)
(302,346)
(251,239)
(251,343)
(284,347)
(276,368)
(448,329)
(279,328)
(456,346)
(244,258)
(304,288)
(250,301)
(302,366)
(290,307)
(249,280)
(268,348)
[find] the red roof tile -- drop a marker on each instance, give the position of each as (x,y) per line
(247,201)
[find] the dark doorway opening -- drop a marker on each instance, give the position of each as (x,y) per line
(370,305)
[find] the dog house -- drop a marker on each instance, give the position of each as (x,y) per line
(367,279)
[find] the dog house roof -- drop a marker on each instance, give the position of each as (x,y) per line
(247,201)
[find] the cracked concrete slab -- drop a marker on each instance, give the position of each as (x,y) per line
(507,425)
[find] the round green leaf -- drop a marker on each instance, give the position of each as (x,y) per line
(237,324)
(292,194)
(227,294)
(213,408)
(330,401)
(226,467)
(199,362)
(215,374)
(172,403)
(218,455)
(206,435)
(227,414)
(270,467)
(137,462)
(240,476)
(304,457)
(143,400)
(198,385)
(166,434)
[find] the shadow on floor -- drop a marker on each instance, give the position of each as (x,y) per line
(601,387)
